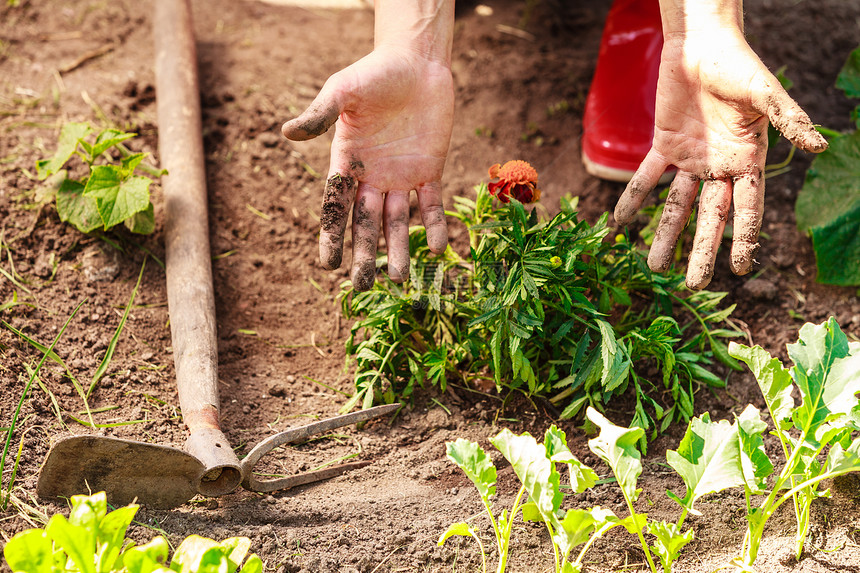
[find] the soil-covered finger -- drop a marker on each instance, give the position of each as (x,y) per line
(794,124)
(396,227)
(365,234)
(433,216)
(748,199)
(337,200)
(676,213)
(714,207)
(640,185)
(315,121)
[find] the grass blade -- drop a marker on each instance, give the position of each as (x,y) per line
(17,412)
(113,341)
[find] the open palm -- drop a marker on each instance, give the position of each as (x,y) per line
(714,100)
(393,111)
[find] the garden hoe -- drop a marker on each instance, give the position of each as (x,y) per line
(164,476)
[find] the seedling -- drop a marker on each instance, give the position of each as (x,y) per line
(91,540)
(712,457)
(826,373)
(110,192)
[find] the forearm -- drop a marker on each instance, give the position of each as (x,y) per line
(685,16)
(424,26)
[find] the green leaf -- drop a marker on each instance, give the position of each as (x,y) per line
(848,79)
(461,528)
(773,380)
(575,529)
(827,372)
(721,352)
(29,551)
(190,554)
(111,534)
(669,541)
(473,460)
(117,198)
(76,208)
(829,205)
(108,138)
(70,134)
(707,459)
(617,447)
(147,558)
(142,222)
(253,565)
(840,460)
(582,477)
(754,461)
(537,474)
(77,541)
(837,249)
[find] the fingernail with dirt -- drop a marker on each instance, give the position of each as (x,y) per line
(363,275)
(699,276)
(743,256)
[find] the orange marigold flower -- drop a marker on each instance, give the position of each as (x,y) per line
(517,179)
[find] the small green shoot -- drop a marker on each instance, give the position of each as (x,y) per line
(103,366)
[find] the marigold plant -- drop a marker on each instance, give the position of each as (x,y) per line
(546,308)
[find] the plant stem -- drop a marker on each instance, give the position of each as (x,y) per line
(506,535)
(633,514)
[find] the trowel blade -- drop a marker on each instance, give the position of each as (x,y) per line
(157,476)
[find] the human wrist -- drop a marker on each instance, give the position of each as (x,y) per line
(424,27)
(684,17)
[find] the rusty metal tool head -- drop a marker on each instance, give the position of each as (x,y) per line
(165,477)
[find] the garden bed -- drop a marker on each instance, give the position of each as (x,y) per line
(521,78)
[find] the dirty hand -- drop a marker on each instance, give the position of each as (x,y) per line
(714,100)
(393,114)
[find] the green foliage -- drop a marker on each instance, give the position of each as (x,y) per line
(535,466)
(828,205)
(91,540)
(711,457)
(109,193)
(826,374)
(544,307)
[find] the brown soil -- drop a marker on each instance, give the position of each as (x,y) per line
(278,324)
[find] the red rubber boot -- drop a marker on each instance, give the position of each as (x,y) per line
(618,124)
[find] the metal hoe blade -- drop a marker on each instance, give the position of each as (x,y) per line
(296,434)
(159,476)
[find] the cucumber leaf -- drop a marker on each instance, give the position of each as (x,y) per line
(117,198)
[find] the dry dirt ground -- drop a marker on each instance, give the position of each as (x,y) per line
(92,60)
